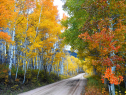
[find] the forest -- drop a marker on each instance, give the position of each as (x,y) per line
(32,44)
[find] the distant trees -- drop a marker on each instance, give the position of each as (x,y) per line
(71,65)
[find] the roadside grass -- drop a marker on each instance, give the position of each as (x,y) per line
(15,88)
(94,86)
(22,88)
(65,76)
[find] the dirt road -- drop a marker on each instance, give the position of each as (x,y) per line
(71,86)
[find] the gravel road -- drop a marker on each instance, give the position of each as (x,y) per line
(71,86)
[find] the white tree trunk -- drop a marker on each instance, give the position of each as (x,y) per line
(113,68)
(11,56)
(12,51)
(34,63)
(38,22)
(37,59)
(16,73)
(24,61)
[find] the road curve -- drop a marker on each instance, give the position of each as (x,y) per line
(71,86)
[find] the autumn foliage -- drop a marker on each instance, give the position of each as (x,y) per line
(4,36)
(29,36)
(6,12)
(97,30)
(111,77)
(108,38)
(104,43)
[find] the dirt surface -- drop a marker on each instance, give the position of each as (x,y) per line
(71,86)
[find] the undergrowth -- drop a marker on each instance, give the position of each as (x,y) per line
(12,86)
(95,86)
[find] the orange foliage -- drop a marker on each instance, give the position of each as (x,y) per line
(6,11)
(111,77)
(5,37)
(103,38)
(105,44)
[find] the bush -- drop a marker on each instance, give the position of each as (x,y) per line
(16,86)
(4,73)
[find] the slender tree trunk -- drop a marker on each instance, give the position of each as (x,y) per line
(16,72)
(10,63)
(41,60)
(25,46)
(39,68)
(24,71)
(34,62)
(24,66)
(39,22)
(113,68)
(112,85)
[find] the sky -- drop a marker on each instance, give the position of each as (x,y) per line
(59,3)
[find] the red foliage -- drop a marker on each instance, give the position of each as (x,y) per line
(104,43)
(111,77)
